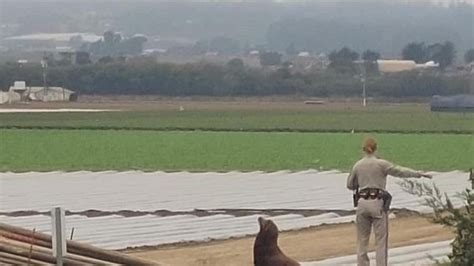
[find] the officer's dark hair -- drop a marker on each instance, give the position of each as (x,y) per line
(370,145)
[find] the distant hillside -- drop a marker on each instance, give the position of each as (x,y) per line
(319,26)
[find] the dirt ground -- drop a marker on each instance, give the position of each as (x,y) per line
(305,245)
(157,103)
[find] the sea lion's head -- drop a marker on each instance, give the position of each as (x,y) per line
(268,234)
(265,250)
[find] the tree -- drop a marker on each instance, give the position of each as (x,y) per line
(114,45)
(83,58)
(95,48)
(224,45)
(65,58)
(132,46)
(370,55)
(370,61)
(143,75)
(414,51)
(235,64)
(117,38)
(76,41)
(345,54)
(106,60)
(199,48)
(443,54)
(108,37)
(342,61)
(48,57)
(469,56)
(270,58)
(291,50)
(461,219)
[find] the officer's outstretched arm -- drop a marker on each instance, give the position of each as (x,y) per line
(400,171)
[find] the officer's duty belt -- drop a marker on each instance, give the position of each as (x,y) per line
(371,193)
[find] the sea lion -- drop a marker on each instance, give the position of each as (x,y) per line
(265,250)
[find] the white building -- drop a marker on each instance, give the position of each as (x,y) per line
(19,92)
(49,41)
(392,66)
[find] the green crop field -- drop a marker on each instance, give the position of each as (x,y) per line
(47,150)
(246,121)
(256,117)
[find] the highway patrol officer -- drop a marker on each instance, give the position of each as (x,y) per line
(368,179)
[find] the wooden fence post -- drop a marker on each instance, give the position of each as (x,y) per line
(58,236)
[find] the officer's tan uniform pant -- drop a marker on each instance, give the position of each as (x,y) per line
(370,213)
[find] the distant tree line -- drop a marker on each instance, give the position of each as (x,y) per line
(344,61)
(313,26)
(144,76)
(443,54)
(469,56)
(221,45)
(113,44)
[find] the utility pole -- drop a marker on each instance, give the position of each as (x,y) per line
(44,65)
(363,79)
(364,95)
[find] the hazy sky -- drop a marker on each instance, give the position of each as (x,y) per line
(444,2)
(434,1)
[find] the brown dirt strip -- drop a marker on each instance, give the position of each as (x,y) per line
(256,130)
(217,104)
(201,212)
(195,212)
(154,103)
(311,244)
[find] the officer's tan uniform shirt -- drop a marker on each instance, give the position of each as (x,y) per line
(371,172)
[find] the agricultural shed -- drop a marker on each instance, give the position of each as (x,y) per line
(4,97)
(51,94)
(457,103)
(20,92)
(19,246)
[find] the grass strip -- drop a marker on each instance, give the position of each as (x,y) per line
(71,150)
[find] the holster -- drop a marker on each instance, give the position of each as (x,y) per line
(387,200)
(356,197)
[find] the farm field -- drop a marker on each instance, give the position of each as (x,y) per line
(69,150)
(135,209)
(175,174)
(184,192)
(244,116)
(326,244)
